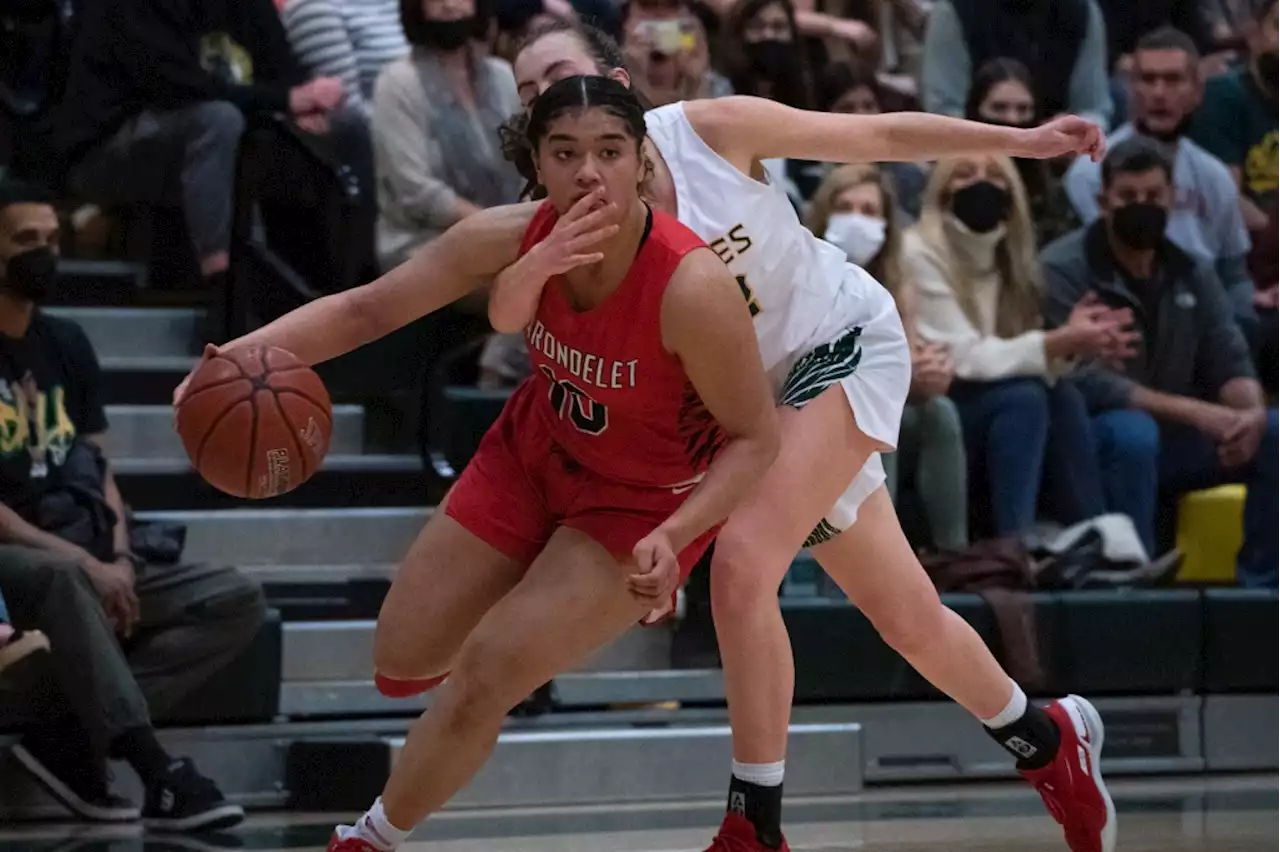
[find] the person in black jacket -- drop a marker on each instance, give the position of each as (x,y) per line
(129,638)
(143,120)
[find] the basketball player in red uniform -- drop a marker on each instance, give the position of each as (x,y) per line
(647,417)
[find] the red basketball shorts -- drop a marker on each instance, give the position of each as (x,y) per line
(520,486)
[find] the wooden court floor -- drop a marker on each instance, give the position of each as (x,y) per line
(1224,814)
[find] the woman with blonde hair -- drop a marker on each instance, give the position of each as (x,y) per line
(973,257)
(855,208)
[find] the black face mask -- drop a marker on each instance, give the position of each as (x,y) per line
(449,35)
(31,275)
(771,58)
(1140,226)
(981,206)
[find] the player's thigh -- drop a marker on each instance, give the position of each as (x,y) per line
(822,451)
(447,582)
(876,567)
(571,601)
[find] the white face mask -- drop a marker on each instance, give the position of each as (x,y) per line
(861,237)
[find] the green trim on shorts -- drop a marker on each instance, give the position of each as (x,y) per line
(825,366)
(824,531)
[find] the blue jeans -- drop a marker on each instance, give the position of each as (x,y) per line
(4,612)
(1019,432)
(1143,461)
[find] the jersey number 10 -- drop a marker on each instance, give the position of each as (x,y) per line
(569,400)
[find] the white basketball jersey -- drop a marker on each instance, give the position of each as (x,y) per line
(792,280)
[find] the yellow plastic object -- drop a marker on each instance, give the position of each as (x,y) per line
(1210,530)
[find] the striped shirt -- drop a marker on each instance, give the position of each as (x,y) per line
(348,39)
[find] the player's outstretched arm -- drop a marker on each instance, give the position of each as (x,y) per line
(460,260)
(745,129)
(707,325)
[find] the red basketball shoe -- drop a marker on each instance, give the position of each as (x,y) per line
(737,834)
(1072,786)
(337,843)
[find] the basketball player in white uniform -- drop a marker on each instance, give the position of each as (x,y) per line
(832,340)
(835,347)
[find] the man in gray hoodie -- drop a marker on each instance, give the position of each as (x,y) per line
(1186,411)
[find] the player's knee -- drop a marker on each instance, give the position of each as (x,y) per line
(489,681)
(745,573)
(400,658)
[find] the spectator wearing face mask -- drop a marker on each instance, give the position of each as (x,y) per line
(1004,93)
(854,88)
(1205,219)
(435,112)
(1184,411)
(973,257)
(1062,42)
(855,209)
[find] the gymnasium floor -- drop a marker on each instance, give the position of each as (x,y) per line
(1224,814)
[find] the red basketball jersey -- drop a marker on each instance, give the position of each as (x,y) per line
(616,400)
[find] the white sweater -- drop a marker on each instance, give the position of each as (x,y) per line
(979,355)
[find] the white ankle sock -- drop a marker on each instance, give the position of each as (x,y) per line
(760,774)
(374,828)
(1013,711)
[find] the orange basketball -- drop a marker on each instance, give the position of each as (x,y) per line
(255,422)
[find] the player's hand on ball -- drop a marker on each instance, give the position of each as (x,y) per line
(180,391)
(1067,134)
(657,570)
(573,240)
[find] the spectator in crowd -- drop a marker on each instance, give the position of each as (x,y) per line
(68,569)
(1063,42)
(855,210)
(669,57)
(144,122)
(818,30)
(973,257)
(1237,121)
(348,40)
(1004,93)
(1185,411)
(1205,219)
(854,88)
(1127,22)
(436,112)
(16,645)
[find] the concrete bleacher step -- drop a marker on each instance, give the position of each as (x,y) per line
(265,536)
(147,432)
(136,333)
(99,282)
(344,480)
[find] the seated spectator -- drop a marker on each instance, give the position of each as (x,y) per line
(143,122)
(435,115)
(973,257)
(348,40)
(67,567)
(1205,219)
(1063,42)
(764,57)
(17,645)
(856,89)
(819,30)
(1185,411)
(668,56)
(1239,123)
(855,209)
(1004,93)
(1127,22)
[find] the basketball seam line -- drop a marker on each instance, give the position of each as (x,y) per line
(292,430)
(307,397)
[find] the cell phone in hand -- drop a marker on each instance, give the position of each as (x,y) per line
(668,37)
